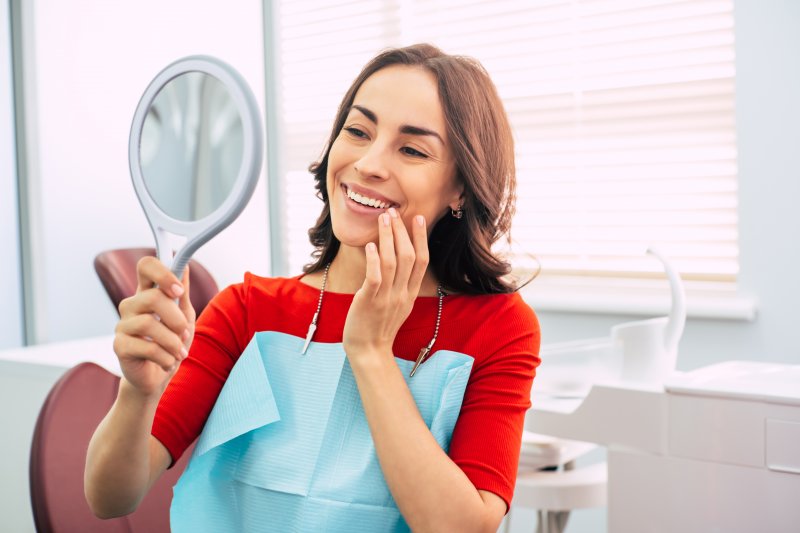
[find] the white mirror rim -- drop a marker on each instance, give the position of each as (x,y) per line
(199,231)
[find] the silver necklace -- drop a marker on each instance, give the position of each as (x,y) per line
(313,326)
(423,353)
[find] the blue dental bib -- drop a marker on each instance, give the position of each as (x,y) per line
(287,447)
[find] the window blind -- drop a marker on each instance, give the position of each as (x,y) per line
(622,112)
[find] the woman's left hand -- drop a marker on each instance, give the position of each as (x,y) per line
(395,269)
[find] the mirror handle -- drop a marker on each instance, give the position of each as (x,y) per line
(180,265)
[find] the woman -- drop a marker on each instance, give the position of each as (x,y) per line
(384,389)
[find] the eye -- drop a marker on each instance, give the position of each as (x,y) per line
(412,152)
(355,132)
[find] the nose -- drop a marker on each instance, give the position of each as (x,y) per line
(375,162)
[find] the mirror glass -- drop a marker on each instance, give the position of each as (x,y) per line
(191,146)
(195,154)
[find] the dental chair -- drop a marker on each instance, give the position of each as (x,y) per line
(67,420)
(117,272)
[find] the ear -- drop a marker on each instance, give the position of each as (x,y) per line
(458,197)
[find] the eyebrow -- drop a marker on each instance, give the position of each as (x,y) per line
(406,128)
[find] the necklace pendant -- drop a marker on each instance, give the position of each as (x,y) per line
(310,335)
(423,353)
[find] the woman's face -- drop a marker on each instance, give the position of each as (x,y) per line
(393,151)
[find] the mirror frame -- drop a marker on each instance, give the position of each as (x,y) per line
(198,232)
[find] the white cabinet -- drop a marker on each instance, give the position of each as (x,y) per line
(716,449)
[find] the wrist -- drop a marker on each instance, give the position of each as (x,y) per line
(373,363)
(131,395)
(369,357)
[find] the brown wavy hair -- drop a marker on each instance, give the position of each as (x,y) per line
(480,136)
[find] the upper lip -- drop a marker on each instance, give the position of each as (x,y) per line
(369,193)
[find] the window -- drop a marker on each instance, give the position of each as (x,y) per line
(622,113)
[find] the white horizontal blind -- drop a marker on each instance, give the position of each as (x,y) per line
(622,114)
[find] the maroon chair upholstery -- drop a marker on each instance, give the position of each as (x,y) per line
(69,416)
(117,272)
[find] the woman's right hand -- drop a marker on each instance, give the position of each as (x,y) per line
(153,335)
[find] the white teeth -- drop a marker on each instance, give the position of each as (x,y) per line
(364,200)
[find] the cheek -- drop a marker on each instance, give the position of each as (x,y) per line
(334,164)
(434,200)
(431,210)
(334,156)
(340,155)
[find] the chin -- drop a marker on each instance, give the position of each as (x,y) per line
(354,237)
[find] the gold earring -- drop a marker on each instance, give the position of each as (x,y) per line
(458,212)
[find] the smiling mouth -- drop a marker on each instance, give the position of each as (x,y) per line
(366,201)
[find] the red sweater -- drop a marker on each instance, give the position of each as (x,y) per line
(500,331)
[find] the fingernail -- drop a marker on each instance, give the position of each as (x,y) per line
(393,212)
(184,352)
(371,247)
(185,335)
(177,290)
(386,219)
(420,220)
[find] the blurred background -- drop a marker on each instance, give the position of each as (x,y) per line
(637,122)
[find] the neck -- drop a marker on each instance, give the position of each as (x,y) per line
(349,268)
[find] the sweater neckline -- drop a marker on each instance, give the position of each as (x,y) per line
(343,295)
(422,315)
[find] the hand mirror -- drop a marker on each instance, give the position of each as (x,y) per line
(195,154)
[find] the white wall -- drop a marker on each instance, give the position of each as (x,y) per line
(768,124)
(88,63)
(11,310)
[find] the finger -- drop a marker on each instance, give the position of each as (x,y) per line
(155,301)
(404,252)
(136,348)
(419,233)
(185,302)
(149,328)
(372,281)
(150,271)
(386,249)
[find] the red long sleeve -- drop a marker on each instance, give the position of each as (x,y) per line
(500,332)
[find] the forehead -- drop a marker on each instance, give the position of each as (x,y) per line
(402,94)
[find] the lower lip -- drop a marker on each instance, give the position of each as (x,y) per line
(360,208)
